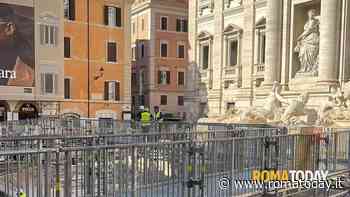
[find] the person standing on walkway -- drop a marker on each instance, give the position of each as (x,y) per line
(158,118)
(157,114)
(146,120)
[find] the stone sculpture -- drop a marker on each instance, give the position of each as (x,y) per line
(336,108)
(308,45)
(270,111)
(296,109)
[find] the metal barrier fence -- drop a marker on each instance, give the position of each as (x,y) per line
(86,127)
(174,164)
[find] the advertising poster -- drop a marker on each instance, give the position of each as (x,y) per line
(17,57)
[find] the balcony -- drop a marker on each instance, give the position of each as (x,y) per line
(259,70)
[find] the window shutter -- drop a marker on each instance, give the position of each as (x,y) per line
(72,9)
(55,35)
(118,16)
(185,25)
(181,78)
(67,88)
(42,34)
(111,90)
(178,25)
(168,77)
(112,52)
(142,50)
(66,47)
(42,83)
(106,15)
(159,77)
(55,81)
(106,91)
(117,91)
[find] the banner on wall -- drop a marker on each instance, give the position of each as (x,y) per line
(17,56)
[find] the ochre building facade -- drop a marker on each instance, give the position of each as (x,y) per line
(159,52)
(97,59)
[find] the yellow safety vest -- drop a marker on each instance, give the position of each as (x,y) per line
(158,115)
(145,118)
(22,194)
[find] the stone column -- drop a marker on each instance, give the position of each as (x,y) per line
(248,43)
(344,73)
(329,34)
(215,96)
(192,99)
(273,42)
(285,43)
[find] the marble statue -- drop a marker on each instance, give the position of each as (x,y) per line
(339,98)
(295,109)
(335,108)
(308,45)
(271,109)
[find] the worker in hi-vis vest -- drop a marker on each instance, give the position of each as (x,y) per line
(146,120)
(157,114)
(21,193)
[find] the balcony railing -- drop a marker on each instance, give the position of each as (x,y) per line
(259,68)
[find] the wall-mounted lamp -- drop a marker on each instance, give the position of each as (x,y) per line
(100,74)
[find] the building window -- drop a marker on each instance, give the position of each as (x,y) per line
(164,77)
(48,35)
(181,25)
(164,49)
(142,50)
(113,16)
(48,83)
(67,47)
(164,23)
(180,78)
(69,9)
(230,106)
(181,51)
(259,82)
(67,88)
(133,79)
(180,100)
(260,46)
(111,52)
(71,120)
(233,52)
(205,57)
(143,24)
(133,52)
(163,100)
(112,91)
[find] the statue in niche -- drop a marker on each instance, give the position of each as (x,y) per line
(308,45)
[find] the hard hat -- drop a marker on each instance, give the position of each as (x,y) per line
(146,109)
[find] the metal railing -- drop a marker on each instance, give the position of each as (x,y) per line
(165,163)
